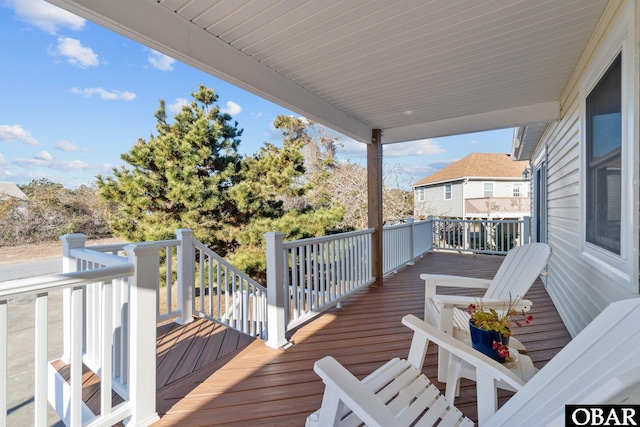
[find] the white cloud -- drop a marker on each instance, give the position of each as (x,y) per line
(43,155)
(474,142)
(3,161)
(63,145)
(176,107)
(46,16)
(421,147)
(16,133)
(105,95)
(350,148)
(54,164)
(75,53)
(232,109)
(160,61)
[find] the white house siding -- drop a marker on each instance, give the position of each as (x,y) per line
(475,189)
(579,290)
(435,204)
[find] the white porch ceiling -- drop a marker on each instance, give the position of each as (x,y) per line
(415,68)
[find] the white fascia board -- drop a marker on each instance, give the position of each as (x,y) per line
(531,114)
(149,23)
(436,183)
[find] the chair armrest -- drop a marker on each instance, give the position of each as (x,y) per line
(341,384)
(462,302)
(457,281)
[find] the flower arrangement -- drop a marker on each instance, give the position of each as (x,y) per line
(500,322)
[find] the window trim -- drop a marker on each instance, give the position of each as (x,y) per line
(450,192)
(493,189)
(421,191)
(623,268)
(520,191)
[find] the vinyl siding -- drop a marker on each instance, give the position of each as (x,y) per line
(435,204)
(579,290)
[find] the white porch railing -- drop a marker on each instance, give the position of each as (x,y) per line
(227,295)
(480,236)
(402,243)
(114,295)
(307,276)
(138,391)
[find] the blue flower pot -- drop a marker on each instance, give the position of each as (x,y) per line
(482,340)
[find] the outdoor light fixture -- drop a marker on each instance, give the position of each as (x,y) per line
(525,174)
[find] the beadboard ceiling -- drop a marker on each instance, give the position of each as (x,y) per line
(414,68)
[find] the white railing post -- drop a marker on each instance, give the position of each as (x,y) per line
(430,233)
(276,327)
(411,241)
(526,232)
(186,275)
(69,241)
(142,336)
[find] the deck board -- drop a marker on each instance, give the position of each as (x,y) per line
(267,387)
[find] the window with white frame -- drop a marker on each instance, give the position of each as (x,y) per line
(603,125)
(609,153)
(517,190)
(447,191)
(420,192)
(487,188)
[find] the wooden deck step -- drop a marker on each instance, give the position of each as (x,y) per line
(181,350)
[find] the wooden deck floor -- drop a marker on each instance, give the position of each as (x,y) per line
(247,383)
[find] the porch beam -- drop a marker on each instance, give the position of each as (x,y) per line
(374,193)
(545,112)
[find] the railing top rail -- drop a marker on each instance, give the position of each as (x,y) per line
(98,253)
(89,254)
(108,248)
(507,221)
(394,226)
(41,284)
(495,197)
(310,240)
(229,266)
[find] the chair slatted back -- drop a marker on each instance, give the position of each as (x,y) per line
(521,267)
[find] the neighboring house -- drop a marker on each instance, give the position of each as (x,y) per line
(9,190)
(480,185)
(585,172)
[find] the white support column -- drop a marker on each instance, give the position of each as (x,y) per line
(526,230)
(41,363)
(411,241)
(142,320)
(3,363)
(69,241)
(275,291)
(75,356)
(186,275)
(429,235)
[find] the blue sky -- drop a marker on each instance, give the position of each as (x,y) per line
(75,96)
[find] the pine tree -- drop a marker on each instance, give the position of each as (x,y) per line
(190,175)
(179,178)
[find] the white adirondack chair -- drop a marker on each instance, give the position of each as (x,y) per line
(599,366)
(520,268)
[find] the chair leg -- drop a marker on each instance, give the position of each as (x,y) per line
(443,365)
(453,379)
